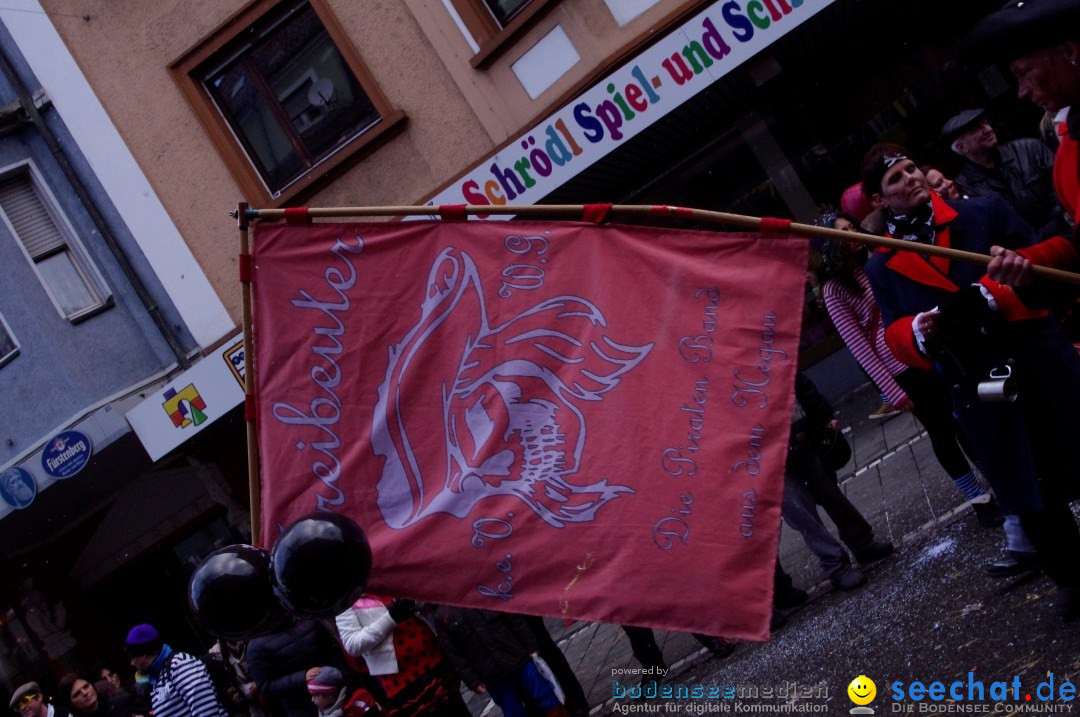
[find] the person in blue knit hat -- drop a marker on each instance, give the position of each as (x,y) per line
(180,685)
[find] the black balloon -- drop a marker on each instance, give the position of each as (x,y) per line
(320,565)
(230,593)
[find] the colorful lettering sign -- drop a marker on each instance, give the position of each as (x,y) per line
(628,101)
(557,419)
(66,454)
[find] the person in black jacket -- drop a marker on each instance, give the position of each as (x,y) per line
(808,484)
(1020,172)
(278,663)
(85,700)
(492,652)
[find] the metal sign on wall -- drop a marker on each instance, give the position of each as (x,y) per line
(66,454)
(192,401)
(17,487)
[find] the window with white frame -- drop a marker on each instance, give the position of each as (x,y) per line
(35,220)
(9,347)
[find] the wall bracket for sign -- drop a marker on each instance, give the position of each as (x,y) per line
(595,213)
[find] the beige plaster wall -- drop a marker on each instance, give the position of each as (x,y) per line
(124,50)
(457,115)
(500,102)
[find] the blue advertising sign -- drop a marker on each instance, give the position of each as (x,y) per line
(66,454)
(17,487)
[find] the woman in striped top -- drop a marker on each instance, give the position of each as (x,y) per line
(851,306)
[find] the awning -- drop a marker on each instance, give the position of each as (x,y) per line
(146,512)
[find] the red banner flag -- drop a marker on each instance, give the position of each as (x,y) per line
(548,418)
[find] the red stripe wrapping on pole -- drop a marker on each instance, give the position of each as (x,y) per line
(772,225)
(596,213)
(667,210)
(453,212)
(243,264)
(297,215)
(251,412)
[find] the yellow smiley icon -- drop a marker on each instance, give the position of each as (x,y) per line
(862,690)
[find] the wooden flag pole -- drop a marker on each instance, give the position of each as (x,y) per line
(575,211)
(546,211)
(243,215)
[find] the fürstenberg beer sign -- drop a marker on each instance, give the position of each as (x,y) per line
(65,454)
(626,102)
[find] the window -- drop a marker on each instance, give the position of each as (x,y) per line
(31,215)
(493,24)
(283,94)
(9,348)
(504,10)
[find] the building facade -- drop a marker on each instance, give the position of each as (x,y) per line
(759,106)
(762,107)
(101,303)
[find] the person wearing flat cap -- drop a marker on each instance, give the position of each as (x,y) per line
(1019,171)
(29,701)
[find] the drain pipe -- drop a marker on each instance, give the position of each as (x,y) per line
(103,229)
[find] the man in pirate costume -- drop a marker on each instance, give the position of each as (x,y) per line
(948,316)
(1040,39)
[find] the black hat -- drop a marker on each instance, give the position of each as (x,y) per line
(961,123)
(1020,28)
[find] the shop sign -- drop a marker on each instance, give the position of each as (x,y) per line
(66,454)
(645,89)
(17,487)
(191,401)
(234,359)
